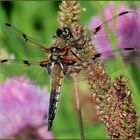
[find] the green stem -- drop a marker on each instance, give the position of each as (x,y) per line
(78,107)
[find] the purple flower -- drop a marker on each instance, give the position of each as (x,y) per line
(22,110)
(128,29)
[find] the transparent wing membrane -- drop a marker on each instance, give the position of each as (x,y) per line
(28,53)
(111,60)
(115,23)
(128,55)
(16,68)
(110,31)
(21,44)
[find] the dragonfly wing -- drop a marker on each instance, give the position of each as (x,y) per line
(109,58)
(111,30)
(109,61)
(11,68)
(21,44)
(108,27)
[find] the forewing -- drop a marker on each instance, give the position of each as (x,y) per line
(127,18)
(109,32)
(21,44)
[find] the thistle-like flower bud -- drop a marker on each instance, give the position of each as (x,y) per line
(122,115)
(69,13)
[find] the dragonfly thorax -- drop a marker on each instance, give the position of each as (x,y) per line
(55,49)
(55,57)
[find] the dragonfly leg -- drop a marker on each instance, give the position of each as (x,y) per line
(64,49)
(46,50)
(68,62)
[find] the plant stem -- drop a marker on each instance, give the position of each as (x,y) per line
(78,107)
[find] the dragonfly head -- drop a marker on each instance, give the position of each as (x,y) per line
(64,33)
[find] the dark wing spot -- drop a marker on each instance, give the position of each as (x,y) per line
(123,13)
(4,60)
(42,65)
(26,62)
(7,24)
(129,48)
(96,29)
(97,55)
(25,36)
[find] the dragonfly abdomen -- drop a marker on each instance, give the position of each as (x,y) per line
(55,95)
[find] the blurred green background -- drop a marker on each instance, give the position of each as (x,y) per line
(38,19)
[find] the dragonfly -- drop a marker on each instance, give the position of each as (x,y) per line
(58,61)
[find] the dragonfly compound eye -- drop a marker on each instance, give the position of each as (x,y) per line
(67,32)
(59,32)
